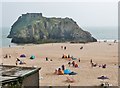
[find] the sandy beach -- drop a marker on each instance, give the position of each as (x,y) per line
(100,53)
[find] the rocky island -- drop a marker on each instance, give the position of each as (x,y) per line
(35,28)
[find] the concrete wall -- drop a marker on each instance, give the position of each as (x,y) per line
(31,81)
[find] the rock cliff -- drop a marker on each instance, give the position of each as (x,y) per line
(35,28)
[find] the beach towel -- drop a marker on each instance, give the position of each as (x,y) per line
(67,71)
(72,73)
(74,58)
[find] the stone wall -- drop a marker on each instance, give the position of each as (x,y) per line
(31,81)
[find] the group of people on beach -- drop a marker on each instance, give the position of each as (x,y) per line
(60,71)
(74,64)
(65,56)
(7,56)
(63,47)
(20,62)
(95,64)
(48,59)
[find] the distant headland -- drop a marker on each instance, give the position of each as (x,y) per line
(35,28)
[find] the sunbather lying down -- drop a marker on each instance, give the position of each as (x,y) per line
(21,62)
(71,80)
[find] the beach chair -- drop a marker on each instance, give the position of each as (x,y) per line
(71,80)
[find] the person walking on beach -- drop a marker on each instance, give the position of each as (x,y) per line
(9,46)
(91,61)
(68,56)
(65,48)
(79,60)
(46,58)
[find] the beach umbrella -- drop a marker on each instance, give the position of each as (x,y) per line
(67,71)
(32,57)
(22,55)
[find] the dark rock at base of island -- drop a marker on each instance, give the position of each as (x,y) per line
(34,28)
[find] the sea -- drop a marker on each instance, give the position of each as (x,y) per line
(100,33)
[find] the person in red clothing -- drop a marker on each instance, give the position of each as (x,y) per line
(73,63)
(76,66)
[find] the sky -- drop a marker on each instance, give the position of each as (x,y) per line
(87,13)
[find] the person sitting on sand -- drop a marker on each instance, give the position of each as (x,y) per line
(99,65)
(56,71)
(16,62)
(81,47)
(73,63)
(63,67)
(79,60)
(104,66)
(93,64)
(60,72)
(68,56)
(9,46)
(63,56)
(76,66)
(65,48)
(21,62)
(17,59)
(119,66)
(9,56)
(6,56)
(69,63)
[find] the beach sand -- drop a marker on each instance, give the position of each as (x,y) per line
(100,53)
